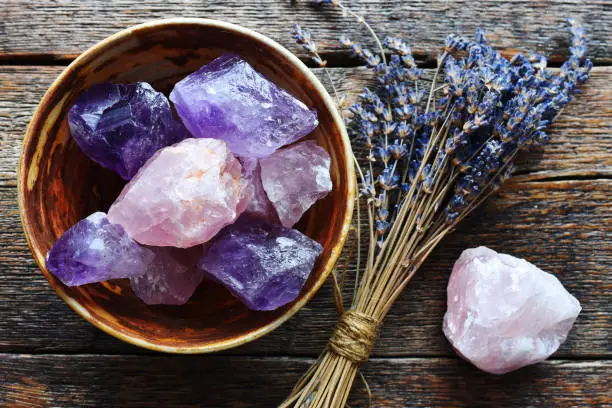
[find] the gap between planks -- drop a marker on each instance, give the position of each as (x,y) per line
(268,356)
(334,60)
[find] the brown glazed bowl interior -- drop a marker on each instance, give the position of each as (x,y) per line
(59,185)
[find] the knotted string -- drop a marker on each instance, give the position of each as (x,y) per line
(354,336)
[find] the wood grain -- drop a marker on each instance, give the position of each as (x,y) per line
(562,226)
(213,381)
(54,30)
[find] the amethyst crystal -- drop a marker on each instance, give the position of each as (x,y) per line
(227,99)
(262,264)
(94,250)
(171,277)
(121,126)
(294,178)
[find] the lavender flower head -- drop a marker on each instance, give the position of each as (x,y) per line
(469,128)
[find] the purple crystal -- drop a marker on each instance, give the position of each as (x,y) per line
(227,99)
(259,205)
(294,178)
(94,250)
(121,126)
(262,264)
(171,277)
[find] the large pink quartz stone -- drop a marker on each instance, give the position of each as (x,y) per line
(170,278)
(504,312)
(183,195)
(294,178)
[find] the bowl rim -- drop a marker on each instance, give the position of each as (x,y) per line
(336,250)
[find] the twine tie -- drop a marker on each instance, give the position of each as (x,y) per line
(354,336)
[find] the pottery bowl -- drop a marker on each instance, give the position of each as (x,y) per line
(59,185)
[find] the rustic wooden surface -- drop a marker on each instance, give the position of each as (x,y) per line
(61,30)
(241,381)
(556,212)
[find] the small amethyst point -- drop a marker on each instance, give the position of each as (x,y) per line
(262,264)
(121,126)
(94,250)
(294,178)
(227,99)
(171,277)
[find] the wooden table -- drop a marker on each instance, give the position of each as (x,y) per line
(556,212)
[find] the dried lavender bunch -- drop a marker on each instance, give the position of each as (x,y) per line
(433,155)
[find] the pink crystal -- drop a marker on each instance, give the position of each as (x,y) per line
(294,178)
(504,312)
(183,195)
(259,205)
(170,278)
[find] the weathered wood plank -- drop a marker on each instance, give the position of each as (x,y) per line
(580,140)
(64,29)
(564,227)
(207,381)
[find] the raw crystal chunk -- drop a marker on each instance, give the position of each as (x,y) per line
(171,277)
(227,99)
(504,312)
(121,126)
(259,205)
(262,264)
(183,195)
(94,250)
(294,178)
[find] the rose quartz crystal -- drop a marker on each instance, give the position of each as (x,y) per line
(183,195)
(294,178)
(259,205)
(504,312)
(170,278)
